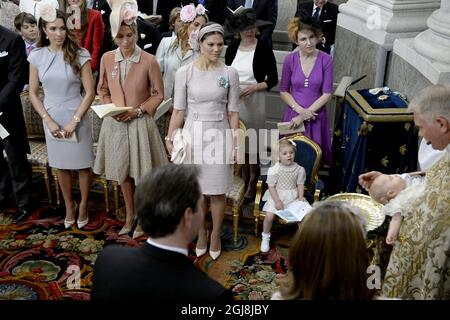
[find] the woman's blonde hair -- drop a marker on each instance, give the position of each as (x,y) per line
(328,258)
(296,25)
(182,36)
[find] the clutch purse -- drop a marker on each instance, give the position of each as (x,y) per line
(73,138)
(180,147)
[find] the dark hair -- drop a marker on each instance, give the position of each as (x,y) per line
(302,23)
(163,195)
(22,18)
(328,258)
(70,46)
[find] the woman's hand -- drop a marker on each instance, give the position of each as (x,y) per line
(169,146)
(296,122)
(279,205)
(251,89)
(308,114)
(53,127)
(127,116)
(69,129)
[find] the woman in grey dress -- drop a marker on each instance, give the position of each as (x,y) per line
(63,68)
(207,91)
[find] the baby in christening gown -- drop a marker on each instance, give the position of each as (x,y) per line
(286,185)
(396,193)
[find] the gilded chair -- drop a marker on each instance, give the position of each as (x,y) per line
(235,197)
(38,156)
(309,156)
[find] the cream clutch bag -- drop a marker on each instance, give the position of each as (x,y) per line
(73,138)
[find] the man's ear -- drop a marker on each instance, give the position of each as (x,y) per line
(444,125)
(187,217)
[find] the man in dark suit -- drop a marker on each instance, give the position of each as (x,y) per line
(168,202)
(326,13)
(163,8)
(14,71)
(265,10)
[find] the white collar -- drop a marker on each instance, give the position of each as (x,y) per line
(314,7)
(27,44)
(447,149)
(168,248)
(135,57)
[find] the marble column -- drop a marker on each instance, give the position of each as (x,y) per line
(286,11)
(366,33)
(424,58)
(434,43)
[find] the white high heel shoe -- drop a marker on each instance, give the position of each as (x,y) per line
(83,223)
(69,223)
(215,254)
(199,252)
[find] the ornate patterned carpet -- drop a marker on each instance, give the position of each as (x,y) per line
(40,259)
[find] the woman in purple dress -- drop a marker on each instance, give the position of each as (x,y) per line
(307,84)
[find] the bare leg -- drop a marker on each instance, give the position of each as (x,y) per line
(217,212)
(394,227)
(65,182)
(85,178)
(268,221)
(127,188)
(201,240)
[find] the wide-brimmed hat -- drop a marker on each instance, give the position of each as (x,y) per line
(122,11)
(37,8)
(244,19)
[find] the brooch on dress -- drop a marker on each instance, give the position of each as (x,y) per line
(115,71)
(223,82)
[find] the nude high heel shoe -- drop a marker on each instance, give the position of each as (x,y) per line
(83,223)
(69,223)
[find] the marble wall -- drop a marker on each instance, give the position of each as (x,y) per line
(355,56)
(403,77)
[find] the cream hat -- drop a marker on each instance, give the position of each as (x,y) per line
(122,10)
(33,7)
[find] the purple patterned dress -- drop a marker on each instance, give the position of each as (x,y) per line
(319,81)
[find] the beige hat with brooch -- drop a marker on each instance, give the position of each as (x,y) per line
(122,11)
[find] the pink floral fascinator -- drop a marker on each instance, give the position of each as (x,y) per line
(122,11)
(190,12)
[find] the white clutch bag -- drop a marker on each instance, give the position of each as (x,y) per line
(73,138)
(180,147)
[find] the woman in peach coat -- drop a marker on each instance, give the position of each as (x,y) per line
(129,145)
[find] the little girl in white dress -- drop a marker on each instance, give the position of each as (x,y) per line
(396,192)
(286,181)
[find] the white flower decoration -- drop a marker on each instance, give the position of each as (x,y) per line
(200,9)
(223,82)
(130,13)
(47,12)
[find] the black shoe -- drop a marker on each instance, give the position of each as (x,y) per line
(20,215)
